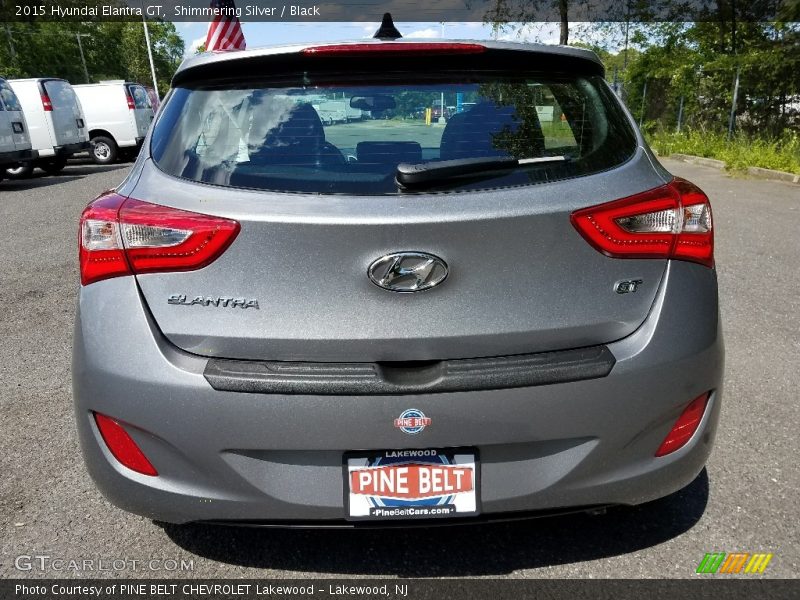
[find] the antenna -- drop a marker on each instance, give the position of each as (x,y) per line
(387,30)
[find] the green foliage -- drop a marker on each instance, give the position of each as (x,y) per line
(113,50)
(782,154)
(167,52)
(698,62)
(789,10)
(670,67)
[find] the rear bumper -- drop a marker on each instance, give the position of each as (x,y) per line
(8,159)
(383,379)
(68,150)
(273,458)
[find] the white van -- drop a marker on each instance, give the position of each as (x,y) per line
(15,141)
(118,114)
(55,123)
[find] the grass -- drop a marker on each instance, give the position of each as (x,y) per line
(782,154)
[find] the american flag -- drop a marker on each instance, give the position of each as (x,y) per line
(224,30)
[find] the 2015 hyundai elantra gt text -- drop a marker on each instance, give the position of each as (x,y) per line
(390,282)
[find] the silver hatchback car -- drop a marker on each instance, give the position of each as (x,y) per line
(384,281)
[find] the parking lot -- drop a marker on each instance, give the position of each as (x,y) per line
(745,501)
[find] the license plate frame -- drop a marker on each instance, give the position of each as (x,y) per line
(442,462)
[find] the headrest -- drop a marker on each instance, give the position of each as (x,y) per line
(302,127)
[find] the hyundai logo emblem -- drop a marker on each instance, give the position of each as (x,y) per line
(408,271)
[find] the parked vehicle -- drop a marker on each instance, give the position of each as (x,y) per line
(15,142)
(492,319)
(118,114)
(55,122)
(337,111)
(436,112)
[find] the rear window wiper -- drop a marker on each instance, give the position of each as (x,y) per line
(429,174)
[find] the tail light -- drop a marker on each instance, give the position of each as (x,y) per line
(46,104)
(685,426)
(671,221)
(122,446)
(129,98)
(121,236)
(393,48)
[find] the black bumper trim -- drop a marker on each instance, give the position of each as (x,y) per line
(430,377)
(18,156)
(482,519)
(70,149)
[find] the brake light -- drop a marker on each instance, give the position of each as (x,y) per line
(129,98)
(46,104)
(671,221)
(100,253)
(393,48)
(685,426)
(122,446)
(121,236)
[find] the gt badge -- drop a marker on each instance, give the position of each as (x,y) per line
(627,286)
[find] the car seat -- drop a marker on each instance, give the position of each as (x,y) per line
(475,133)
(298,140)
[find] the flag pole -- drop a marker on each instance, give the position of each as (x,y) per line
(150,56)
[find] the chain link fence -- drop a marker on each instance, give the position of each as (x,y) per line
(723,101)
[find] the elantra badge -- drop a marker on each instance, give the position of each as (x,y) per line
(408,271)
(412,421)
(217,301)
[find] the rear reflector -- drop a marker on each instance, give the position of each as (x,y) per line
(46,104)
(685,426)
(122,446)
(671,221)
(121,236)
(393,48)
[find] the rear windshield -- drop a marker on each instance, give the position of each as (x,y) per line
(8,97)
(139,95)
(60,93)
(349,138)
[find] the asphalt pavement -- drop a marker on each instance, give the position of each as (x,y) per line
(745,501)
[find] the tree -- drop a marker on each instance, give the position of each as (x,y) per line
(113,50)
(503,12)
(167,48)
(525,13)
(696,61)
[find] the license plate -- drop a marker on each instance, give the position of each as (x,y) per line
(411,484)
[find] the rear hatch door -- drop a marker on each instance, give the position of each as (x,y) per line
(318,206)
(67,117)
(520,280)
(13,121)
(142,113)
